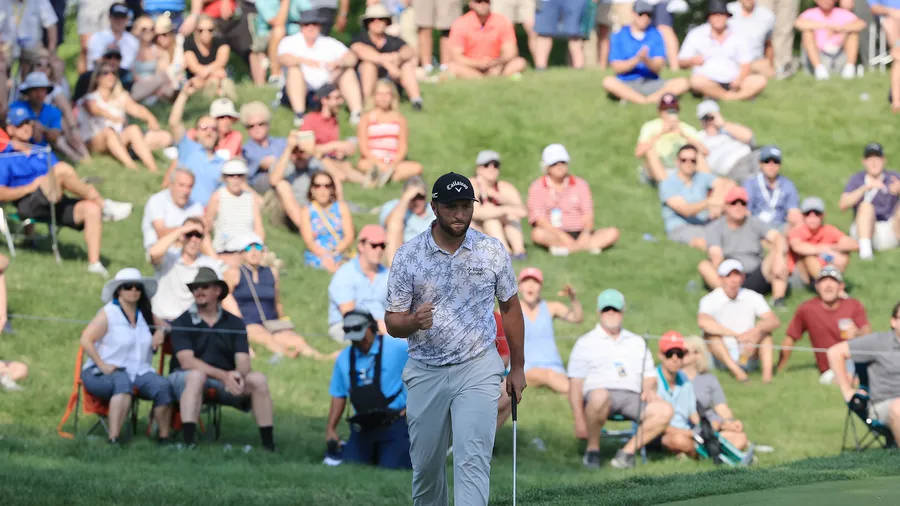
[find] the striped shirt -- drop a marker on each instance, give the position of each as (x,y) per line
(234,219)
(384,139)
(573,202)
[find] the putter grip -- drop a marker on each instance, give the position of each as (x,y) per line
(514,405)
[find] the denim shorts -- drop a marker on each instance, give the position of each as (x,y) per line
(150,386)
(559,18)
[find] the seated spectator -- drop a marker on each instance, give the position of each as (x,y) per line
(384,56)
(873,194)
(111,57)
(661,138)
(47,117)
(103,122)
(483,43)
(637,54)
(611,373)
(773,198)
(559,19)
(25,181)
(326,225)
(755,23)
(233,211)
(255,297)
(729,143)
(737,235)
(368,373)
(210,351)
(198,156)
(270,25)
(829,318)
(233,24)
(170,47)
(176,257)
(291,176)
(151,82)
(333,152)
(383,139)
(543,365)
(673,387)
(11,372)
(120,342)
(116,37)
(229,140)
(830,38)
(205,57)
(406,217)
(690,200)
(738,324)
(312,60)
(561,209)
(711,402)
(813,244)
(360,284)
(499,210)
(261,150)
(879,352)
(720,59)
(167,209)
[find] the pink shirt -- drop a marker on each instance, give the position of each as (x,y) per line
(825,39)
(826,234)
(573,202)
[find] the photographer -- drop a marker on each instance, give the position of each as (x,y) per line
(369,373)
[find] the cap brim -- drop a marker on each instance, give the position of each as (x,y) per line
(356,336)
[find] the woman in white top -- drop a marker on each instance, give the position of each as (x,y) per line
(102,121)
(120,347)
(234,211)
(151,82)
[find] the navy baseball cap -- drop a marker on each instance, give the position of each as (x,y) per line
(18,114)
(873,149)
(119,9)
(643,7)
(452,186)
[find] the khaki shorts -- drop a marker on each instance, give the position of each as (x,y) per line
(621,402)
(884,236)
(93,16)
(518,11)
(615,15)
(438,14)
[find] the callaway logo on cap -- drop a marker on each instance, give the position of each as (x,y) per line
(452,186)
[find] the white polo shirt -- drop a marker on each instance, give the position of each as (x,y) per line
(756,28)
(611,363)
(324,50)
(738,314)
(161,207)
(721,60)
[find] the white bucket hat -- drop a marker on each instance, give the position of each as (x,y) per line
(36,80)
(127,275)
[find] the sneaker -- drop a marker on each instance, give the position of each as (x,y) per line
(821,73)
(298,119)
(827,377)
(849,71)
(97,268)
(116,211)
(592,459)
(354,117)
(384,177)
(559,251)
(416,104)
(779,304)
(595,251)
(171,153)
(9,384)
(747,459)
(622,460)
(276,81)
(519,257)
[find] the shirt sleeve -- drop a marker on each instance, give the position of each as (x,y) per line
(791,199)
(760,306)
(855,181)
(809,14)
(506,285)
(578,363)
(707,305)
(386,210)
(585,199)
(4,171)
(667,190)
(340,376)
(797,326)
(617,48)
(53,118)
(865,349)
(180,338)
(714,233)
(649,368)
(400,283)
(241,345)
(655,44)
(718,395)
(48,15)
(457,35)
(339,290)
(690,399)
(688,48)
(536,207)
(860,319)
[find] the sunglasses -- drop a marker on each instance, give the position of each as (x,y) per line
(131,286)
(233,175)
(675,353)
(482,1)
(354,328)
(203,286)
(771,160)
(495,164)
(205,30)
(817,213)
(254,125)
(206,128)
(106,72)
(419,196)
(254,246)
(609,308)
(687,160)
(738,203)
(193,234)
(377,245)
(323,185)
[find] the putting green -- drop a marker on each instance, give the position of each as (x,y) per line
(884,490)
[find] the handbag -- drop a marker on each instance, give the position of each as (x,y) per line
(272,326)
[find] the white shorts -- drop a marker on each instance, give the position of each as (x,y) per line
(884,236)
(518,11)
(93,16)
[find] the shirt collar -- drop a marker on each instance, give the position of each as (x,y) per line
(195,314)
(467,243)
(373,350)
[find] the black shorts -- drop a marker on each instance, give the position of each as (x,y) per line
(36,206)
(757,282)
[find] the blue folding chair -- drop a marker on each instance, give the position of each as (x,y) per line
(872,432)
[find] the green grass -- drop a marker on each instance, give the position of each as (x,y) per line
(820,126)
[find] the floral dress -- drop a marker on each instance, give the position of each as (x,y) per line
(322,235)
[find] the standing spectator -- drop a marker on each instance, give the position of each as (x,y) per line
(873,194)
(434,15)
(561,209)
(783,35)
(360,284)
(483,43)
(738,235)
(233,211)
(499,209)
(115,37)
(738,324)
(333,152)
(312,60)
(384,56)
(93,17)
(773,197)
(261,150)
(406,217)
(829,318)
(888,12)
(729,143)
(151,82)
(830,37)
(690,199)
(755,23)
(559,19)
(205,57)
(720,59)
(660,139)
(673,387)
(384,139)
(326,225)
(637,54)
(166,210)
(543,365)
(519,12)
(813,244)
(28,20)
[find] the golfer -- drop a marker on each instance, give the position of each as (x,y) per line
(441,293)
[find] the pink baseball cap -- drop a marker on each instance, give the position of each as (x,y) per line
(736,193)
(671,340)
(532,272)
(372,234)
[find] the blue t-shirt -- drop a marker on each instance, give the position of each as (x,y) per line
(623,45)
(680,395)
(672,186)
(176,6)
(350,284)
(392,363)
(16,171)
(771,205)
(50,116)
(254,153)
(207,171)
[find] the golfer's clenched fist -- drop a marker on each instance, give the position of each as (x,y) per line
(424,316)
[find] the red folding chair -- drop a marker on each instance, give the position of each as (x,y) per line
(91,406)
(211,407)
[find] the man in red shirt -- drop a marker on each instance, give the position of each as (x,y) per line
(561,209)
(483,43)
(828,319)
(330,149)
(814,244)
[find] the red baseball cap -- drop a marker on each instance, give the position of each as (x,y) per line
(372,234)
(668,102)
(671,340)
(736,193)
(532,272)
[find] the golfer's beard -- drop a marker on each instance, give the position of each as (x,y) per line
(449,230)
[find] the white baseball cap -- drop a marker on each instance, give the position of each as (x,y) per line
(235,166)
(707,107)
(730,265)
(554,153)
(221,108)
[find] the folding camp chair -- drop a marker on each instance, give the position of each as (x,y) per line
(879,53)
(874,432)
(91,406)
(709,441)
(211,407)
(624,434)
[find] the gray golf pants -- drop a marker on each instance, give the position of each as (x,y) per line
(461,398)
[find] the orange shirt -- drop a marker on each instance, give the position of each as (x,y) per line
(482,42)
(826,234)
